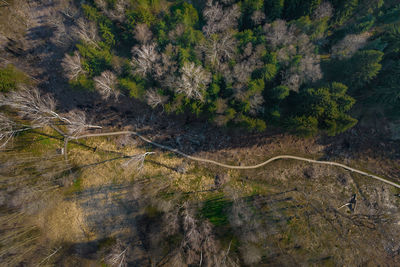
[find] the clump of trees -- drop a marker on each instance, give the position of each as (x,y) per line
(236,63)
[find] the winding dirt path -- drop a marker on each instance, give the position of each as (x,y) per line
(234,166)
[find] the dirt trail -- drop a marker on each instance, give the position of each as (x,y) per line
(239,167)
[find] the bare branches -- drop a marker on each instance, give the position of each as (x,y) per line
(72,65)
(193,81)
(106,85)
(117,12)
(86,31)
(40,111)
(117,257)
(142,33)
(31,105)
(324,10)
(136,161)
(219,48)
(278,33)
(7,130)
(144,57)
(77,122)
(349,45)
(154,99)
(218,19)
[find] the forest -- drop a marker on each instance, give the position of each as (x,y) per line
(199,132)
(300,65)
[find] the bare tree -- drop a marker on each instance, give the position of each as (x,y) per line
(144,57)
(117,12)
(106,84)
(219,48)
(324,10)
(8,129)
(350,45)
(258,17)
(154,99)
(72,66)
(40,111)
(292,80)
(136,161)
(278,33)
(219,19)
(194,79)
(117,256)
(77,122)
(32,106)
(199,245)
(310,68)
(62,34)
(86,31)
(142,33)
(256,103)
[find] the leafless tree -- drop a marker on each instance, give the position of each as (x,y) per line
(256,103)
(144,57)
(62,34)
(278,33)
(199,245)
(292,80)
(117,12)
(72,66)
(310,68)
(194,79)
(324,10)
(219,48)
(77,122)
(106,84)
(117,256)
(219,19)
(142,33)
(136,161)
(86,31)
(350,45)
(164,70)
(40,110)
(154,99)
(177,32)
(258,17)
(8,129)
(32,106)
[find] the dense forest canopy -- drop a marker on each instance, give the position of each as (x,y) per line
(253,63)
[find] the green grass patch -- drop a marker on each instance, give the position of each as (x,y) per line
(215,209)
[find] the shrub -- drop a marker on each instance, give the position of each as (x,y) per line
(10,77)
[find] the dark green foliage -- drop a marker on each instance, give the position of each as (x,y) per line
(95,59)
(294,9)
(184,13)
(252,124)
(361,68)
(254,74)
(363,24)
(10,77)
(280,92)
(82,83)
(135,89)
(215,209)
(344,10)
(304,126)
(323,108)
(273,8)
(270,71)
